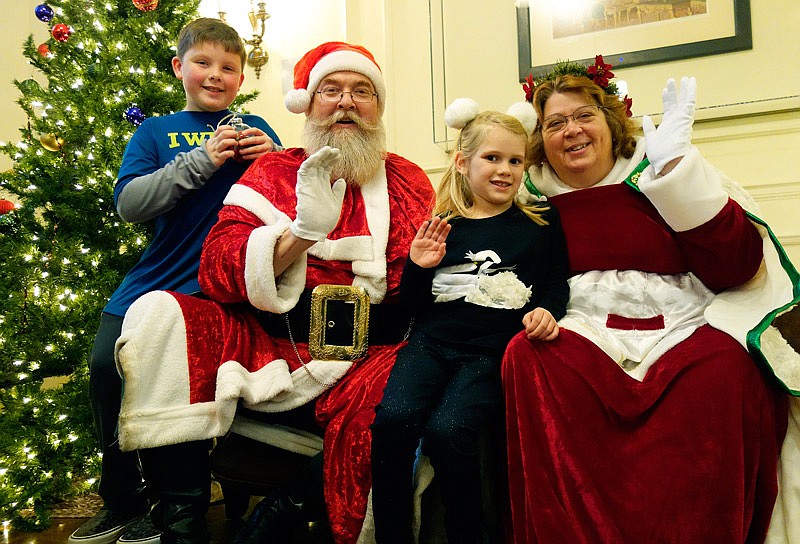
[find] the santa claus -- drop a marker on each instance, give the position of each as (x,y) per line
(293,258)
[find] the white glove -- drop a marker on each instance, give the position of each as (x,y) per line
(673,138)
(318,202)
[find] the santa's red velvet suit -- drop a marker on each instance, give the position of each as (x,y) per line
(644,421)
(187,361)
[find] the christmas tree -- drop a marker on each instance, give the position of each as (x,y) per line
(104,69)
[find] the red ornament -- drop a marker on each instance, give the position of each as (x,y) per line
(5,206)
(145,5)
(61,32)
(44,51)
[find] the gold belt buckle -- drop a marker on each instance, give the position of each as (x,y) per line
(317,346)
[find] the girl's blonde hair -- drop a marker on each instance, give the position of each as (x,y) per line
(454,197)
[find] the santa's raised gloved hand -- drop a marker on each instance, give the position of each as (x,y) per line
(319,202)
(673,137)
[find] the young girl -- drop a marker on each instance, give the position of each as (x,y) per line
(481,269)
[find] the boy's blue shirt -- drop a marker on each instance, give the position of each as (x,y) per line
(172,258)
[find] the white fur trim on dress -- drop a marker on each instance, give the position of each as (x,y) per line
(689,196)
(769,290)
(784,527)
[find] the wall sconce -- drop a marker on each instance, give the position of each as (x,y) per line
(257,57)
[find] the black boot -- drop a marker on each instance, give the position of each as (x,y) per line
(274,520)
(181,478)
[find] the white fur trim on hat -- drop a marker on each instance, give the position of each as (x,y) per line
(343,60)
(346,61)
(461,112)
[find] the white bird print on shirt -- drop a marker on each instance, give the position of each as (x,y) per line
(465,280)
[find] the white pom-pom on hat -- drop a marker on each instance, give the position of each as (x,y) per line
(297,100)
(526,114)
(460,112)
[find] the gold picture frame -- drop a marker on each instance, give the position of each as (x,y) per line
(724,27)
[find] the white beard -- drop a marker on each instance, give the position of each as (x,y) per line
(363,150)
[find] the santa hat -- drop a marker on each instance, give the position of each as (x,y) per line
(324,60)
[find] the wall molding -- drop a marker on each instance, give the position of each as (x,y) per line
(793,240)
(787,190)
(436,169)
(740,110)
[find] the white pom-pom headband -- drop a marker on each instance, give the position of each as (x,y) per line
(463,110)
(525,112)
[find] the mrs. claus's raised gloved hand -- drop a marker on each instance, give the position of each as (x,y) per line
(673,137)
(318,202)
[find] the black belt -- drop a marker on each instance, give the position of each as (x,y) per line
(388,323)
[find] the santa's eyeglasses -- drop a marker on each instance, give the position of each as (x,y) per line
(334,94)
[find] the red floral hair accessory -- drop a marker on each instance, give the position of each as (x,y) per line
(600,73)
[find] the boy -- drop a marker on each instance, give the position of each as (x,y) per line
(176,171)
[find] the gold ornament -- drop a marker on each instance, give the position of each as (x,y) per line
(51,142)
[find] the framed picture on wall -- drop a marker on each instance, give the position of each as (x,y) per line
(628,32)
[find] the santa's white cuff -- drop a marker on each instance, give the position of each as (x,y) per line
(264,290)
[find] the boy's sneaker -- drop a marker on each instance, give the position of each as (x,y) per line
(104,528)
(141,532)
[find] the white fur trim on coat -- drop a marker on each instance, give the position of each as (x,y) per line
(152,357)
(690,202)
(263,291)
(367,253)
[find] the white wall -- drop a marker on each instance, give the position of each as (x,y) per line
(17,23)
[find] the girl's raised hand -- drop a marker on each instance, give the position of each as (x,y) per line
(428,247)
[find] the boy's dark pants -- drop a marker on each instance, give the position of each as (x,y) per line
(121,484)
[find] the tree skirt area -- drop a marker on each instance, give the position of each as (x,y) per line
(86,506)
